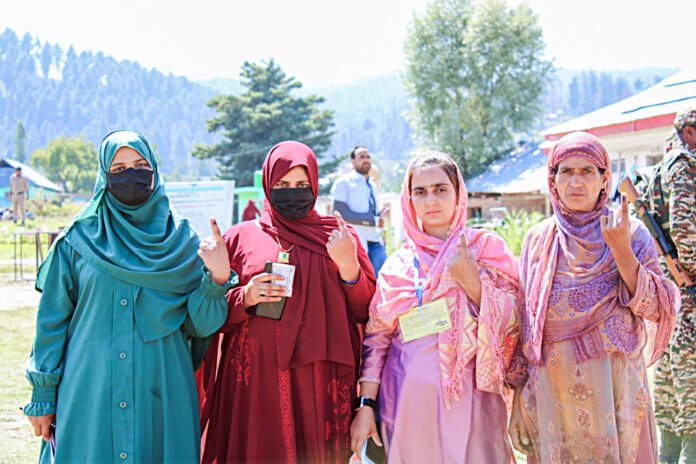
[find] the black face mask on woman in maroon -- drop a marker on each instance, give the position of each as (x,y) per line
(292,203)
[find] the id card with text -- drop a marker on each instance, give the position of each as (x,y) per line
(425,320)
(287,271)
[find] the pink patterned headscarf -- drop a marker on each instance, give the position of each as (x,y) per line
(492,336)
(590,276)
(578,145)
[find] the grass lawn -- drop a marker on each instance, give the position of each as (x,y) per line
(56,218)
(17,441)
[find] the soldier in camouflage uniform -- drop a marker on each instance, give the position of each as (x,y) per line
(675,379)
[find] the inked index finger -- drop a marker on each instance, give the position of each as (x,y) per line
(216,230)
(462,240)
(341,223)
(624,208)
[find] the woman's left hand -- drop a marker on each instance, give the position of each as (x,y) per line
(517,429)
(213,252)
(343,250)
(464,269)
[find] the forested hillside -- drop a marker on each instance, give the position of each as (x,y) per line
(56,92)
(575,92)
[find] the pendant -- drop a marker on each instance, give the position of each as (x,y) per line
(283,257)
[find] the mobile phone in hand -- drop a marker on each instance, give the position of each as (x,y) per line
(273,310)
(371,453)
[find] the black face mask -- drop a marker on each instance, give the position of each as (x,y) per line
(292,203)
(131,186)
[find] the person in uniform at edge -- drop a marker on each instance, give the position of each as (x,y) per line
(675,378)
(19,191)
(283,390)
(125,308)
(594,302)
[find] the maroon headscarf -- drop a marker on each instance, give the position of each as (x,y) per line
(315,325)
(312,231)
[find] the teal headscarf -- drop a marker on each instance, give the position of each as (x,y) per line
(148,245)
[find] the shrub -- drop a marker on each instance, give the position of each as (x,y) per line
(515,226)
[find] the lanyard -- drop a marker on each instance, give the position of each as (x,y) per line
(416,279)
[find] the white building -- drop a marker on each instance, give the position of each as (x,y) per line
(634,130)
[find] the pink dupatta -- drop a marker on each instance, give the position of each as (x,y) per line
(491,335)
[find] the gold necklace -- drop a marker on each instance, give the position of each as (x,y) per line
(283,254)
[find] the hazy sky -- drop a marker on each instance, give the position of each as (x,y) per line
(325,42)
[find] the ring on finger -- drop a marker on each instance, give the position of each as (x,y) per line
(262,293)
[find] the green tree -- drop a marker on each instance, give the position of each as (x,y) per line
(265,114)
(476,74)
(71,162)
(329,167)
(20,153)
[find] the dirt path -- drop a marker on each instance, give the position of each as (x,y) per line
(15,295)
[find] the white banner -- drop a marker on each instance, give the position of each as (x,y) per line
(198,201)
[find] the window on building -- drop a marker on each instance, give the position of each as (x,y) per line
(618,167)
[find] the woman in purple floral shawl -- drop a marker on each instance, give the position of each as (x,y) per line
(596,309)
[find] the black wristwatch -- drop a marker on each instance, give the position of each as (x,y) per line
(363,401)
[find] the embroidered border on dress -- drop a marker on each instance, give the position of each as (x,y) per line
(286,418)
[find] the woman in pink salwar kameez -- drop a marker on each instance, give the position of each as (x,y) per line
(441,396)
(594,303)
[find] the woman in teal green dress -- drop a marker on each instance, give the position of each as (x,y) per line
(126,304)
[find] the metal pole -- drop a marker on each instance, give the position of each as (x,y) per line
(21,258)
(14,244)
(37,244)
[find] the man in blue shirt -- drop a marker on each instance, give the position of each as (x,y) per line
(355,197)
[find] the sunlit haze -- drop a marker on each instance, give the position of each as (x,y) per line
(328,42)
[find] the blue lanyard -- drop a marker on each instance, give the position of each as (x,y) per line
(416,279)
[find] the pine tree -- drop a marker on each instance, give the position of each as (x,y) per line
(265,114)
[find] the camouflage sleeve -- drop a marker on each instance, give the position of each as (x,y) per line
(682,217)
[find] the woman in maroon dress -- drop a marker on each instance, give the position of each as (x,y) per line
(283,390)
(250,212)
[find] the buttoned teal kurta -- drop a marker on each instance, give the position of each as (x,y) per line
(124,305)
(117,397)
